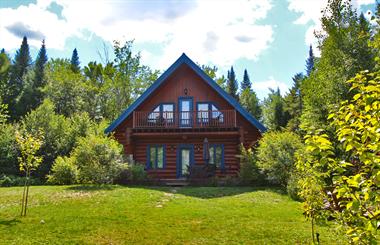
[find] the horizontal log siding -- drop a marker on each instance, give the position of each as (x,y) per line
(230,151)
(169,92)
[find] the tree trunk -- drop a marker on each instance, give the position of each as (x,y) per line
(23,196)
(27,193)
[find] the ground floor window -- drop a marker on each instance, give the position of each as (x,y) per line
(216,152)
(156,156)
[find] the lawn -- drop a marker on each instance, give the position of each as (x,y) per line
(148,215)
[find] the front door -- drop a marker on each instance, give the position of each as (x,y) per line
(185,112)
(185,160)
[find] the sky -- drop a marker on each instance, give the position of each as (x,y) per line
(269,38)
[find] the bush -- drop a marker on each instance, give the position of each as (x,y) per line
(132,174)
(249,173)
(64,172)
(99,159)
(8,150)
(293,188)
(12,180)
(276,155)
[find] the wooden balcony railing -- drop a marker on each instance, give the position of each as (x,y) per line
(185,119)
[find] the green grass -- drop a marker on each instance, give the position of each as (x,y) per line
(148,215)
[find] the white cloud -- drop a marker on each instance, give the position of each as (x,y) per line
(262,87)
(208,31)
(311,13)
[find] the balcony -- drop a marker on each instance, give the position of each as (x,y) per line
(184,119)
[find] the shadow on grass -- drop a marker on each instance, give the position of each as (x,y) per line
(90,188)
(211,192)
(9,222)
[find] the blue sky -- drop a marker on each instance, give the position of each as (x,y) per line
(269,38)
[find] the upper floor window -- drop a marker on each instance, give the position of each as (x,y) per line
(207,111)
(163,113)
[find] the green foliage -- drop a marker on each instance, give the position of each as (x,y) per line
(74,62)
(8,150)
(246,83)
(60,133)
(5,65)
(98,158)
(133,174)
(29,161)
(13,180)
(249,173)
(348,182)
(293,188)
(17,82)
(249,100)
(63,172)
(232,85)
(65,88)
(293,104)
(39,79)
(29,146)
(310,61)
(274,114)
(276,155)
(345,51)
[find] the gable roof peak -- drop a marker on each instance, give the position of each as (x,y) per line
(181,60)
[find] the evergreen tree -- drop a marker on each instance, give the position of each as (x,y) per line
(39,76)
(16,82)
(251,103)
(310,61)
(3,51)
(293,103)
(275,115)
(246,83)
(232,85)
(75,61)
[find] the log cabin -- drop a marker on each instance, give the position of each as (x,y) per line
(185,120)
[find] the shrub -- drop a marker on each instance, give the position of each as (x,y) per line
(8,150)
(12,180)
(64,172)
(99,159)
(249,171)
(276,155)
(293,187)
(132,174)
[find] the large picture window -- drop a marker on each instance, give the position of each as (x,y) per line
(156,156)
(217,155)
(163,113)
(207,112)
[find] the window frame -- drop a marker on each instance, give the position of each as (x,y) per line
(148,157)
(214,146)
(160,113)
(210,112)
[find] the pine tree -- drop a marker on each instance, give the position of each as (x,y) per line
(232,86)
(20,65)
(249,100)
(246,83)
(39,76)
(310,61)
(275,115)
(293,103)
(75,61)
(16,82)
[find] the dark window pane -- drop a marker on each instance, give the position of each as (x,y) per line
(212,155)
(160,157)
(152,157)
(218,156)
